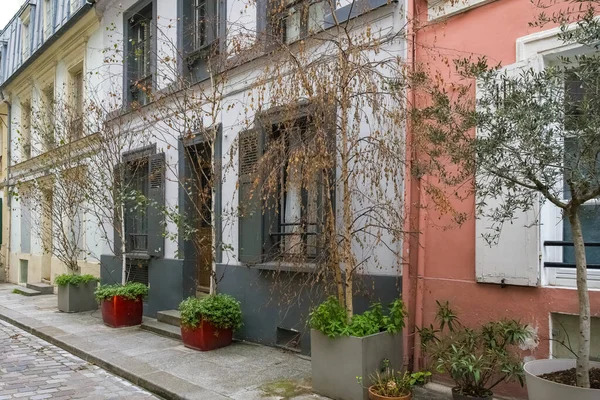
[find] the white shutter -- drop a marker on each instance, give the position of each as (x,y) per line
(515,257)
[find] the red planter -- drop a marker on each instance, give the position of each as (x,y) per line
(206,337)
(119,311)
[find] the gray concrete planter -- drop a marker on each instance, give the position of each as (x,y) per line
(543,389)
(78,298)
(337,362)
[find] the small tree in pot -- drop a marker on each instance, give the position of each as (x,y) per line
(122,304)
(208,323)
(476,359)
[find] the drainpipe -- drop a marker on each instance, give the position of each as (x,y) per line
(8,204)
(418,230)
(421,235)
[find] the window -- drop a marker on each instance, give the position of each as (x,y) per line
(25,134)
(144,182)
(76,123)
(288,207)
(25,40)
(136,221)
(48,18)
(47,109)
(200,22)
(139,59)
(576,110)
(291,20)
(294,231)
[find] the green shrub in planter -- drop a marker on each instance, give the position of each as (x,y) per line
(75,280)
(76,292)
(131,291)
(330,319)
(221,310)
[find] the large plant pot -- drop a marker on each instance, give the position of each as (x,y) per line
(457,396)
(119,311)
(375,396)
(337,362)
(77,298)
(543,389)
(206,337)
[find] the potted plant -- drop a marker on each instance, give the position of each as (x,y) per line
(342,348)
(208,323)
(388,384)
(122,304)
(476,359)
(76,292)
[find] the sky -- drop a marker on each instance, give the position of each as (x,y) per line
(8,8)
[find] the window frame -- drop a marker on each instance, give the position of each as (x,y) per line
(552,229)
(138,9)
(193,60)
(280,15)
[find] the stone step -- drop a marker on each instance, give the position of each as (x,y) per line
(161,328)
(171,317)
(26,291)
(43,288)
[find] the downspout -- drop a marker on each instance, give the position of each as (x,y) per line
(416,233)
(421,242)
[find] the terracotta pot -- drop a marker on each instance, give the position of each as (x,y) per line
(458,396)
(206,337)
(119,311)
(375,396)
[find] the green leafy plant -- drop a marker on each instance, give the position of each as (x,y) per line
(476,359)
(131,290)
(75,280)
(390,383)
(330,318)
(221,310)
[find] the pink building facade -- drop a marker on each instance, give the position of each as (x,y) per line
(512,279)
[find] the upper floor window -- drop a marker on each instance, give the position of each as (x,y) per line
(25,131)
(200,27)
(291,20)
(48,118)
(48,18)
(76,118)
(25,40)
(139,77)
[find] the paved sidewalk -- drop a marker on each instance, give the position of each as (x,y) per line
(31,368)
(242,371)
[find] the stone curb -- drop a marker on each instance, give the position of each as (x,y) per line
(14,318)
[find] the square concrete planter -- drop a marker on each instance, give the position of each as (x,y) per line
(77,298)
(337,362)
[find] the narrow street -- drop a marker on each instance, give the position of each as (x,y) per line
(31,368)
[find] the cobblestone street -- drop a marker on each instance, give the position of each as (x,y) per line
(31,368)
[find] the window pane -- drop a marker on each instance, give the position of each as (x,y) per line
(316,16)
(590,221)
(292,25)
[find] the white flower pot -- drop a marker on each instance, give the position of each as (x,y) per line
(543,389)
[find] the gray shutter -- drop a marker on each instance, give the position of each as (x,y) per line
(249,206)
(187,19)
(515,258)
(156,197)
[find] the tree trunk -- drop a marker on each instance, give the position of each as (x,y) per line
(583,350)
(123,245)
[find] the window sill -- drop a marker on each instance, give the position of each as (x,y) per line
(137,255)
(285,267)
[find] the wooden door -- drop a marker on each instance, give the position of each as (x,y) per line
(203,204)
